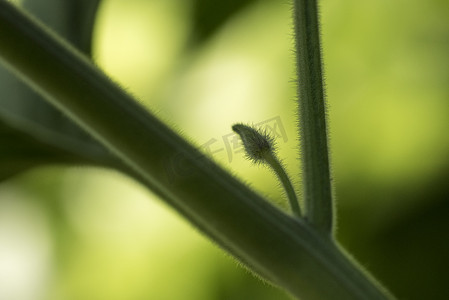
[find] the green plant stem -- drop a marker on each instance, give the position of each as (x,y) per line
(283,249)
(312,117)
(277,167)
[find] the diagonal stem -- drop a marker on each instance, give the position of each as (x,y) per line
(312,117)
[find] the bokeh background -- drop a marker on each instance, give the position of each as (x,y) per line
(79,232)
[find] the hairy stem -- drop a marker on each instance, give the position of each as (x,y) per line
(283,249)
(312,117)
(277,167)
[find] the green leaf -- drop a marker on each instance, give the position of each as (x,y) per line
(208,15)
(32,132)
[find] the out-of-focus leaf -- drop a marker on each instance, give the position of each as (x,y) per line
(32,132)
(20,151)
(71,19)
(418,236)
(210,15)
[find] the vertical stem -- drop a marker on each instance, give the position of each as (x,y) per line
(312,117)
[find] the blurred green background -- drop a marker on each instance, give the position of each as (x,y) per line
(89,233)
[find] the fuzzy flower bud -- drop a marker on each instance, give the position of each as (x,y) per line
(258,145)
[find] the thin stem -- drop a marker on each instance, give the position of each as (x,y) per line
(312,117)
(283,249)
(277,167)
(260,148)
